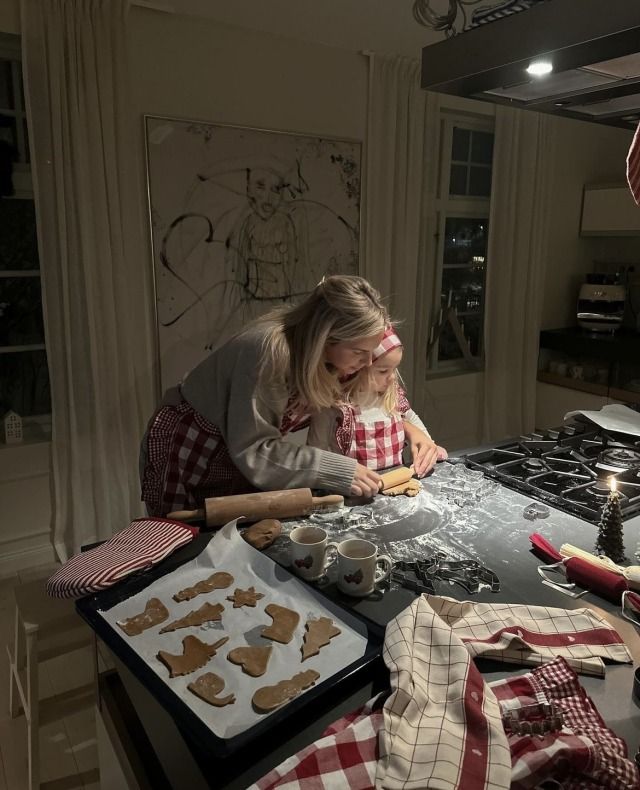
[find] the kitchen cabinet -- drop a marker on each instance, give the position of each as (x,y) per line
(609,210)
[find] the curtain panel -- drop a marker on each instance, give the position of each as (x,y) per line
(96,280)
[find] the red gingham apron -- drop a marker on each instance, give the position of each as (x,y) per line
(374,440)
(188,460)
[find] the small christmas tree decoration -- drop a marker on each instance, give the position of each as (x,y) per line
(609,540)
(12,427)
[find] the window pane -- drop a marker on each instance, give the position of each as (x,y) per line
(448,346)
(24,383)
(458,180)
(463,289)
(20,311)
(18,240)
(482,147)
(7,99)
(465,240)
(480,181)
(460,144)
(8,135)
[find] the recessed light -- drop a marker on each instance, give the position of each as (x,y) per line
(538,68)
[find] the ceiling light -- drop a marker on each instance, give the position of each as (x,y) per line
(538,68)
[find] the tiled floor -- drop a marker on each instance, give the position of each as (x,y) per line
(68,751)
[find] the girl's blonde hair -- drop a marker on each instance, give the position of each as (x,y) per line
(363,391)
(339,309)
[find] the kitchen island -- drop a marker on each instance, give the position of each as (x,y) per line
(463,515)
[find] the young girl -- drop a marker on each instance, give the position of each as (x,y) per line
(373,425)
(221,432)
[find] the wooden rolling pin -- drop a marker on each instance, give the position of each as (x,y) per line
(396,477)
(263,504)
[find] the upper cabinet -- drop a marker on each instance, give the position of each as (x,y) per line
(609,210)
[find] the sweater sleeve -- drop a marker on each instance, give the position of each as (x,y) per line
(412,417)
(322,430)
(251,430)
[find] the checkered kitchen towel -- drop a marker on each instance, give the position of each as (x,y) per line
(584,755)
(145,542)
(532,635)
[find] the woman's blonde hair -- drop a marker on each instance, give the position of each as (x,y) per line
(339,309)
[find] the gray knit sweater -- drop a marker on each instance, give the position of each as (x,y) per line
(224,389)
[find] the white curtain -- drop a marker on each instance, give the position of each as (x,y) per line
(96,278)
(518,230)
(402,166)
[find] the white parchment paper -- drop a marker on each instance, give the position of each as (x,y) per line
(613,417)
(227,551)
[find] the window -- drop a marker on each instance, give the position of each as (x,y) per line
(24,377)
(462,208)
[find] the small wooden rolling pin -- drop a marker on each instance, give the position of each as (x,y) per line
(396,477)
(263,504)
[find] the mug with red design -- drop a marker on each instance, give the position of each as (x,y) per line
(309,549)
(360,567)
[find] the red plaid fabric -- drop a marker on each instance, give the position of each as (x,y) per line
(584,755)
(145,542)
(188,460)
(633,166)
(375,443)
(389,341)
(344,757)
(533,635)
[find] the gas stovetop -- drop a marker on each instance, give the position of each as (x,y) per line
(569,468)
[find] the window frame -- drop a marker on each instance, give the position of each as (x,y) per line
(453,206)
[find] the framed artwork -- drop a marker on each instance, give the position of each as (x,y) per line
(242,220)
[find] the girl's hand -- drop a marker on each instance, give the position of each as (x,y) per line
(365,482)
(424,450)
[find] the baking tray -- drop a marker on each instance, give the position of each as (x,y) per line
(346,679)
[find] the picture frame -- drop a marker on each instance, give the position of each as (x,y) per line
(242,220)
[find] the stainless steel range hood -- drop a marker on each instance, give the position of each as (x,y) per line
(593,46)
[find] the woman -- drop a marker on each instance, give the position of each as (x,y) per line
(222,433)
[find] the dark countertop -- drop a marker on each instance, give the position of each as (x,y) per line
(490,528)
(623,345)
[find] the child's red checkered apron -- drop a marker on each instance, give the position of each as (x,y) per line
(375,443)
(188,460)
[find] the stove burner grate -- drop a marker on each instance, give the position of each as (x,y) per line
(621,457)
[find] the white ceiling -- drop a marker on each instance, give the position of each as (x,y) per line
(354,25)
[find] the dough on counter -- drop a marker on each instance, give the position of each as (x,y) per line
(155,612)
(253,660)
(318,633)
(207,687)
(244,597)
(284,623)
(218,581)
(195,654)
(410,488)
(262,534)
(269,698)
(207,613)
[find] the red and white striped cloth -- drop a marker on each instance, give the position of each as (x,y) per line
(390,340)
(145,542)
(532,635)
(633,166)
(584,755)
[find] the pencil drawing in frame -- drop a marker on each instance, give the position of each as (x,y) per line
(242,220)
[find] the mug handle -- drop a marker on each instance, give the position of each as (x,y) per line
(333,548)
(387,566)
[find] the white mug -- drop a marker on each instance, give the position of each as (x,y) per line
(309,550)
(358,571)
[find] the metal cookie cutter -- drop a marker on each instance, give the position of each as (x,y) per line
(536,510)
(469,574)
(414,575)
(538,719)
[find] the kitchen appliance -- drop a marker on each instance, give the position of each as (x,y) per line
(568,467)
(601,306)
(592,47)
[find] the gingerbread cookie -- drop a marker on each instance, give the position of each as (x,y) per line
(262,534)
(253,660)
(207,613)
(318,633)
(244,597)
(155,612)
(410,488)
(195,654)
(269,698)
(284,623)
(207,687)
(218,581)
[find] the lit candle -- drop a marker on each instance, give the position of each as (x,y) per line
(613,483)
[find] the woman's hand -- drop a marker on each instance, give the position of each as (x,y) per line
(424,451)
(365,482)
